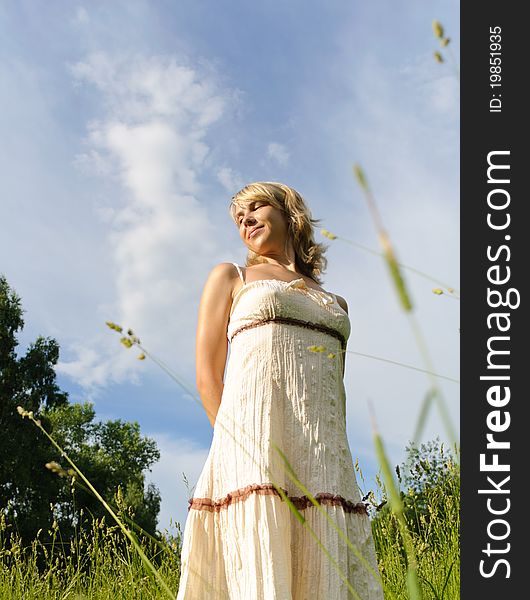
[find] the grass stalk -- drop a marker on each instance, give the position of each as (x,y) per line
(125,531)
(405,301)
(453,292)
(396,504)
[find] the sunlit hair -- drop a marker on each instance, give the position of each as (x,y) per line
(309,254)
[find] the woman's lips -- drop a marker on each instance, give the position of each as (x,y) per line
(255,231)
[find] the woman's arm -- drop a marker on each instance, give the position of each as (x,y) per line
(211,347)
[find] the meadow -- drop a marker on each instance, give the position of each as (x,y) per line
(102,563)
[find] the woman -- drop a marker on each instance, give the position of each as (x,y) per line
(279,422)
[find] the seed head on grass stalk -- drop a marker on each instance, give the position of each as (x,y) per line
(439,33)
(444,43)
(438,29)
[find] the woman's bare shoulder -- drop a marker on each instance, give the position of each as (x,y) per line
(224,270)
(222,277)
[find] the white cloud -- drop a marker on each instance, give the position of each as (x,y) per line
(96,366)
(141,88)
(278,153)
(230,180)
(150,145)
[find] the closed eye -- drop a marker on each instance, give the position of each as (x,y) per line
(253,208)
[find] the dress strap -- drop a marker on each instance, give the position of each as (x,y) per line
(240,273)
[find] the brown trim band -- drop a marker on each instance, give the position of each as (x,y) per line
(293,321)
(268,489)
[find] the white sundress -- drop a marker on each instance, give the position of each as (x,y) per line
(241,539)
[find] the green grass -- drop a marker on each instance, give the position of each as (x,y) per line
(102,564)
(99,564)
(432,516)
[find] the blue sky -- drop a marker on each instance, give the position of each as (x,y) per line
(127,126)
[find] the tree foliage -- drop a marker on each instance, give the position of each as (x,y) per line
(429,475)
(112,454)
(109,453)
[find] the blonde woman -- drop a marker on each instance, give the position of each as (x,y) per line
(279,421)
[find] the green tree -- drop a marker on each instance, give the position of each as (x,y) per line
(28,381)
(112,454)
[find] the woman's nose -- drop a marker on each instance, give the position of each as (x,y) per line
(249,219)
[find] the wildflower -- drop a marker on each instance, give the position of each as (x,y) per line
(437,291)
(438,57)
(328,234)
(141,356)
(438,29)
(331,355)
(445,41)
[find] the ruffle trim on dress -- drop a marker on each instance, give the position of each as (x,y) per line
(268,489)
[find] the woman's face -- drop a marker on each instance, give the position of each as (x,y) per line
(262,227)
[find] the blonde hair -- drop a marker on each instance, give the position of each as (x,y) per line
(309,254)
